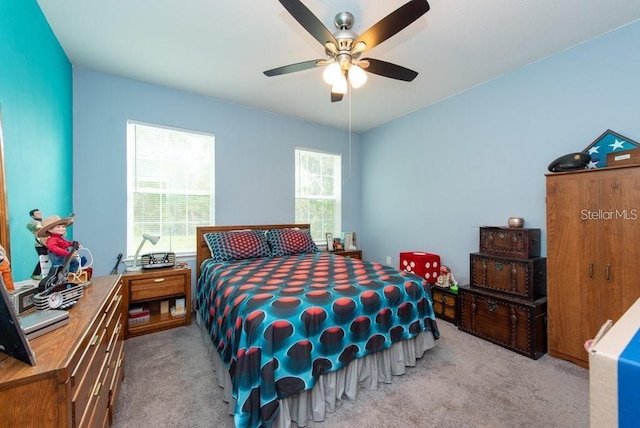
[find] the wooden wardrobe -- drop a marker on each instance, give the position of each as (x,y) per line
(593,254)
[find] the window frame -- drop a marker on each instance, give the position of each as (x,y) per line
(320,240)
(132,241)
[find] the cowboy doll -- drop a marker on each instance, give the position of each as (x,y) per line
(54,228)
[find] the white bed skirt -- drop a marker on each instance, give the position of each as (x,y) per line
(332,388)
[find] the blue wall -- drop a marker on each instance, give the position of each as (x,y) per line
(481,156)
(426,181)
(254,158)
(35,104)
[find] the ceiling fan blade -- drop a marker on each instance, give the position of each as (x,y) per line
(393,23)
(292,68)
(387,69)
(336,97)
(309,21)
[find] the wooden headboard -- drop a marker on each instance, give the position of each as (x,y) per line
(202,250)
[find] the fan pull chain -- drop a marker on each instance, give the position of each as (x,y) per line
(350,133)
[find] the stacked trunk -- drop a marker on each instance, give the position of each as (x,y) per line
(506,301)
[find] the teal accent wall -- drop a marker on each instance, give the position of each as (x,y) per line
(36,109)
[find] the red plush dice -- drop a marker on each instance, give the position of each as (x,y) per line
(425,265)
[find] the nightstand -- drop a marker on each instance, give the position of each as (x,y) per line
(445,303)
(156,290)
(356,254)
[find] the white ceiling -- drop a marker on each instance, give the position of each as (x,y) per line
(220,48)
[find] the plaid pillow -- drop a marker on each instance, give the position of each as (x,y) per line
(286,242)
(240,245)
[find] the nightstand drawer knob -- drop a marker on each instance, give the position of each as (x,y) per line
(158,280)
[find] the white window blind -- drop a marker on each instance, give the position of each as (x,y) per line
(318,192)
(170,185)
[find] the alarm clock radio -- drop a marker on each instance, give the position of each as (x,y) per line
(61,296)
(157,260)
(23,298)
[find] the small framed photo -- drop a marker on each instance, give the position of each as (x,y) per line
(337,244)
(348,241)
(329,238)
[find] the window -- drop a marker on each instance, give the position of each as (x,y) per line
(318,192)
(170,185)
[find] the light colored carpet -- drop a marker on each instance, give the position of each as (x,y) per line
(464,382)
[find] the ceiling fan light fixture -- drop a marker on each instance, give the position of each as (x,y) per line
(343,48)
(340,86)
(358,48)
(357,76)
(332,73)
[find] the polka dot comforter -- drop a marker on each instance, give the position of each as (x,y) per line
(279,323)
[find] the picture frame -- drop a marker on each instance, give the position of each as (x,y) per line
(329,238)
(337,244)
(608,142)
(13,340)
(348,241)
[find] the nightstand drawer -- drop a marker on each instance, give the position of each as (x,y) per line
(154,288)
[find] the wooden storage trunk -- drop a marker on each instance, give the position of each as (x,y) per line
(514,323)
(510,242)
(526,278)
(445,304)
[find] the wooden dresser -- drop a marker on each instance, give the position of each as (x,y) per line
(79,366)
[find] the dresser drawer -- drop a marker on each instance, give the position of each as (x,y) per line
(98,406)
(91,370)
(114,312)
(116,374)
(154,288)
(88,352)
(82,399)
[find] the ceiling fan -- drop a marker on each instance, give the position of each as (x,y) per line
(344,47)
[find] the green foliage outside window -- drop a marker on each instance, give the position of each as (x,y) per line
(318,192)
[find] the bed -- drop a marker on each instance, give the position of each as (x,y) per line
(294,331)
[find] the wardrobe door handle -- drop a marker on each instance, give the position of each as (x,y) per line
(591,270)
(608,273)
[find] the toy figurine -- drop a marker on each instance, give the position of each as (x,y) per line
(34,225)
(54,228)
(446,279)
(5,269)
